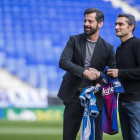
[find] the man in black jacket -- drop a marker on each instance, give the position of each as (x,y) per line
(128,72)
(84,57)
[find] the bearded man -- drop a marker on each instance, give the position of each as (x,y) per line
(84,58)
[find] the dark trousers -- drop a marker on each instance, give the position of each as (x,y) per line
(73,114)
(129,113)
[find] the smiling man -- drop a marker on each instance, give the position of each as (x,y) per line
(84,58)
(128,72)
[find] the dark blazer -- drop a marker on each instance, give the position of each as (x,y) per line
(72,60)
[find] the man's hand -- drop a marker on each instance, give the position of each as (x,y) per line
(91,75)
(112,72)
(97,73)
(97,85)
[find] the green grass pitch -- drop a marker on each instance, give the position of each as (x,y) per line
(23,130)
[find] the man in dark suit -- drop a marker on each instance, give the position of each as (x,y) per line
(84,58)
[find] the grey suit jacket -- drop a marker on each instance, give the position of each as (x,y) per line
(72,60)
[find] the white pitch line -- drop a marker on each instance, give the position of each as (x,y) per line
(30,130)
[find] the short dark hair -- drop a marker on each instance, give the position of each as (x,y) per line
(99,14)
(130,19)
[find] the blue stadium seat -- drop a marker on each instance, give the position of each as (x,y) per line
(33,34)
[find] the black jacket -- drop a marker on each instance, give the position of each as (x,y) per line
(72,60)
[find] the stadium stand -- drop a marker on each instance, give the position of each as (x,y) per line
(17,94)
(33,34)
(134,3)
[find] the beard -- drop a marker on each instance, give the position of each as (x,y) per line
(91,31)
